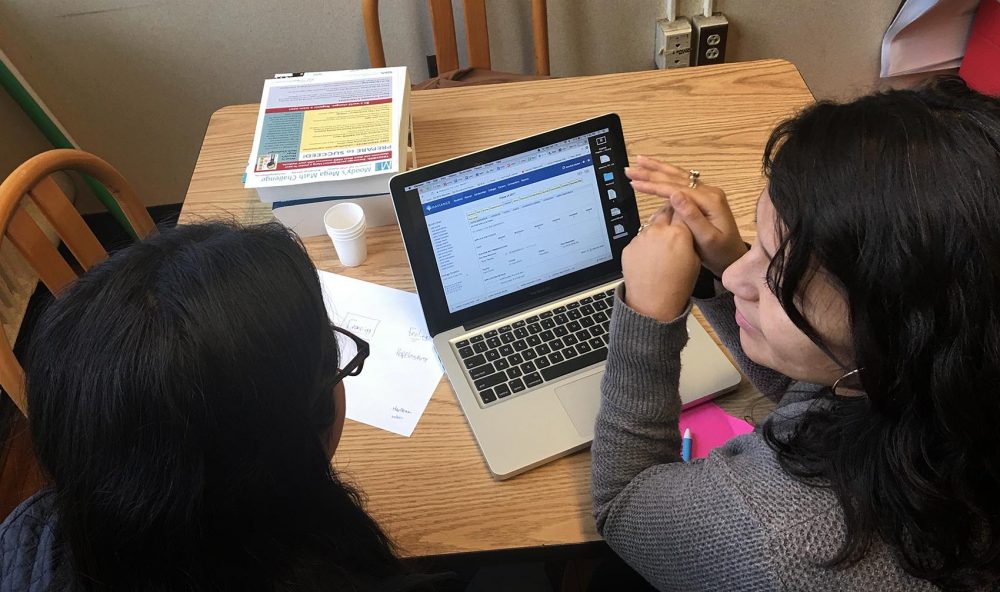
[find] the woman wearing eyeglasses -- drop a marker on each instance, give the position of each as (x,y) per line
(185,398)
(866,308)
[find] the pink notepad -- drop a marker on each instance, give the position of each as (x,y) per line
(711,427)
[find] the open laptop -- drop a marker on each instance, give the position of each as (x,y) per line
(516,253)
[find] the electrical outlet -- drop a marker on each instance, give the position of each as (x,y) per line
(673,43)
(708,39)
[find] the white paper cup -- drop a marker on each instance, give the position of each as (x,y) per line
(344,219)
(351,252)
(346,227)
(337,235)
(334,235)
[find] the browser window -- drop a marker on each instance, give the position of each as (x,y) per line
(519,221)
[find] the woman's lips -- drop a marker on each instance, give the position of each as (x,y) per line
(743,322)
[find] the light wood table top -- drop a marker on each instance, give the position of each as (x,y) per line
(432,491)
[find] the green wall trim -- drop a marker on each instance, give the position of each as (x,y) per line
(57,138)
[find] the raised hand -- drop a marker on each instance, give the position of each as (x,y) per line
(660,267)
(703,208)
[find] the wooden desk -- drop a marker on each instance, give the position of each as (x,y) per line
(432,491)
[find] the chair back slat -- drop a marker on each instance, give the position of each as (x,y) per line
(7,286)
(540,29)
(68,223)
(39,252)
(11,375)
(373,33)
(443,25)
(477,34)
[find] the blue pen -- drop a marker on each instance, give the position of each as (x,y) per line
(686,446)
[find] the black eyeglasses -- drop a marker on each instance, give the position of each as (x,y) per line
(357,362)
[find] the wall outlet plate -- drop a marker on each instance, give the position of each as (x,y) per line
(708,39)
(672,44)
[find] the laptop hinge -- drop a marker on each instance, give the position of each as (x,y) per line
(540,301)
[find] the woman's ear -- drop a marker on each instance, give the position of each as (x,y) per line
(337,427)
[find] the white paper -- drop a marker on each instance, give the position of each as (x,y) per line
(402,371)
(927,35)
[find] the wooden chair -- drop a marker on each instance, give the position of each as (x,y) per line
(19,474)
(476,32)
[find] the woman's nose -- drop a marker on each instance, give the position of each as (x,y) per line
(739,279)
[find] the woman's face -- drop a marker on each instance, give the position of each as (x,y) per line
(766,333)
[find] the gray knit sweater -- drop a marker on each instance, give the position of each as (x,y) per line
(732,521)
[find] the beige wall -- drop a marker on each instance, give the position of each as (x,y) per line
(19,139)
(135,81)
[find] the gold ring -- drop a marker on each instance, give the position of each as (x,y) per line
(693,178)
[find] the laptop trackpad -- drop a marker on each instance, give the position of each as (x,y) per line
(581,399)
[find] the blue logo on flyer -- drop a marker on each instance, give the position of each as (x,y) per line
(385,165)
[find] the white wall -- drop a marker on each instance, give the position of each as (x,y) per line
(135,81)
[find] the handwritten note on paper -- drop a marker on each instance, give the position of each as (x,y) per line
(711,427)
(402,371)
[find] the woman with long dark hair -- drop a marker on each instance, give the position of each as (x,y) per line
(867,307)
(185,397)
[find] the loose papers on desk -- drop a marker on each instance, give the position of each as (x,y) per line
(402,371)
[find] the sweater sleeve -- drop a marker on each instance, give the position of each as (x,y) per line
(719,311)
(683,526)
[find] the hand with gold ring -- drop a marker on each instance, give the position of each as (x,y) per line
(660,267)
(702,207)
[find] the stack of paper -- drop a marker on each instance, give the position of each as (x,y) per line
(324,137)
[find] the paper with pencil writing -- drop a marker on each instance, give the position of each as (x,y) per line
(402,371)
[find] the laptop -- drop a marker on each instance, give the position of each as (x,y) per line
(516,254)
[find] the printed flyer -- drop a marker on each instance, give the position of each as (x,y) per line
(330,126)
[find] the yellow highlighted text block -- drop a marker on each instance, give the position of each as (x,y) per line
(346,127)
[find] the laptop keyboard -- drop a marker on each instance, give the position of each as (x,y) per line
(541,348)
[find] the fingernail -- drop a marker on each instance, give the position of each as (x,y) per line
(680,200)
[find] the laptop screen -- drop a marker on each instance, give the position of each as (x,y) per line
(519,221)
(496,230)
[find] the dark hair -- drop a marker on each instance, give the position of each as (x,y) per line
(178,396)
(896,198)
